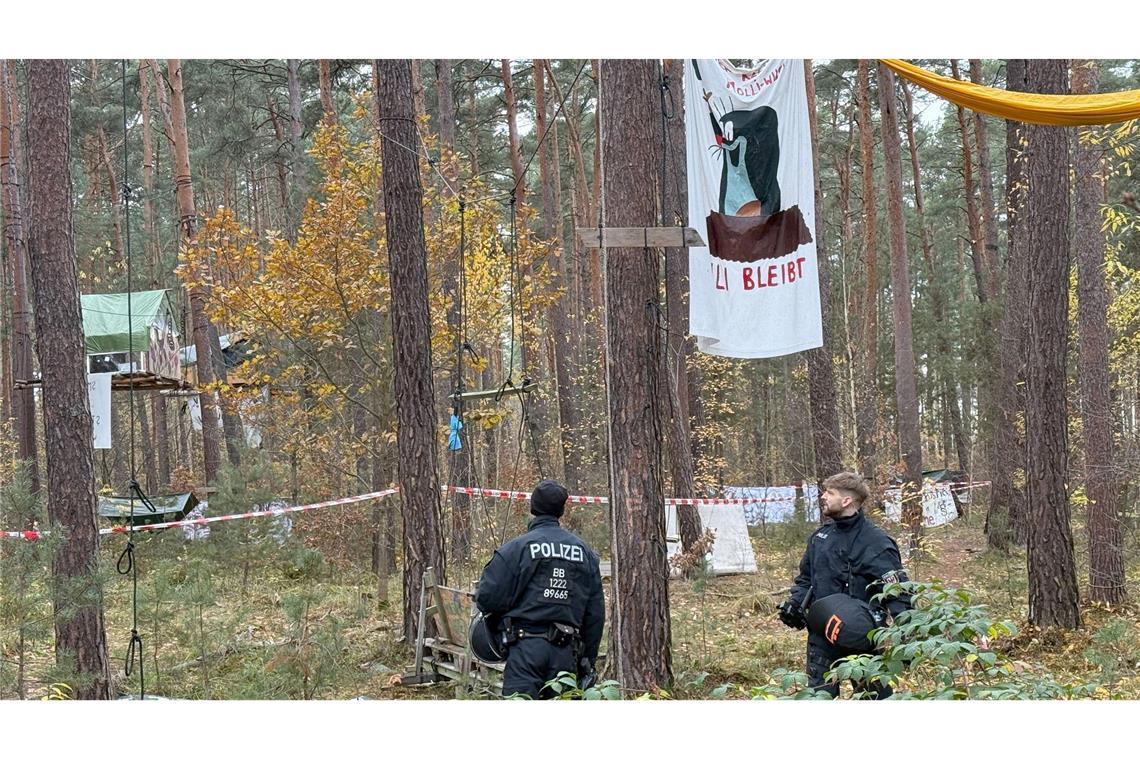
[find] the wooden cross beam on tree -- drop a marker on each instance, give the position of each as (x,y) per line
(639,237)
(506,390)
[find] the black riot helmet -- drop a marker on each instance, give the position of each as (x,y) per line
(486,639)
(844,622)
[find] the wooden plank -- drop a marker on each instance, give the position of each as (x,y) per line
(639,237)
(526,387)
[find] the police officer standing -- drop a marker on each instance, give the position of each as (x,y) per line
(543,590)
(848,560)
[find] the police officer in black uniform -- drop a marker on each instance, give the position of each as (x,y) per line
(848,555)
(543,590)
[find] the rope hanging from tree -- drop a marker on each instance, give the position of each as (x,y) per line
(126,563)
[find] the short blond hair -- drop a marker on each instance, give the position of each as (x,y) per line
(852,483)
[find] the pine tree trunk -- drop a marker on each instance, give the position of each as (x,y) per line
(973,224)
(1106,540)
(147,75)
(146,438)
(866,402)
(324,75)
(1005,518)
(1053,597)
(559,316)
(513,133)
(640,635)
(103,160)
(905,382)
(445,93)
(851,311)
(297,151)
(80,635)
(232,428)
(537,416)
(473,115)
(411,338)
(675,209)
(985,188)
(937,295)
(279,160)
(458,462)
(419,102)
(188,224)
(117,248)
(23,399)
(827,444)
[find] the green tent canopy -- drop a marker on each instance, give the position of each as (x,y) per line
(105,324)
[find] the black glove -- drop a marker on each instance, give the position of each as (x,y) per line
(792,615)
(587,675)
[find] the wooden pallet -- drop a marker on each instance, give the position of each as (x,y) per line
(447,655)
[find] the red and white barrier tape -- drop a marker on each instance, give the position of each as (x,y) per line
(32,535)
(27,535)
(247,515)
(494,493)
(523,496)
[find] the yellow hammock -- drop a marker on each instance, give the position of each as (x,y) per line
(1059,110)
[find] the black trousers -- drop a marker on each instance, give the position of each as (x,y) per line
(533,661)
(820,658)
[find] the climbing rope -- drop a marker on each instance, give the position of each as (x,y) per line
(126,563)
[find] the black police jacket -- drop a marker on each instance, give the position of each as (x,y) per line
(546,575)
(853,556)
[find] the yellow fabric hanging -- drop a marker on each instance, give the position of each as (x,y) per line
(1059,110)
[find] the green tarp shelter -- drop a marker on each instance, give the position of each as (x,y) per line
(945,476)
(167,508)
(105,324)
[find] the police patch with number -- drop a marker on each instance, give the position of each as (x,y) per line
(557,573)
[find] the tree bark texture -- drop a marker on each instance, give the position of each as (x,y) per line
(973,224)
(906,396)
(866,405)
(1052,571)
(411,337)
(15,243)
(821,371)
(80,635)
(1005,519)
(985,188)
(445,94)
(148,74)
(937,295)
(324,75)
(560,316)
(188,225)
(640,631)
(674,210)
(1106,539)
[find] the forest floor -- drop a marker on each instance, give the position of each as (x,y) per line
(222,624)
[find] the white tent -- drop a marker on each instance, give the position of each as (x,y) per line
(732,550)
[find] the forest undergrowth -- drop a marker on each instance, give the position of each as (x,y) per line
(241,615)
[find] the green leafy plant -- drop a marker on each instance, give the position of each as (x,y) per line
(943,648)
(57,692)
(565,686)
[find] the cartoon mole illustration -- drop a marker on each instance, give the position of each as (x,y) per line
(750,155)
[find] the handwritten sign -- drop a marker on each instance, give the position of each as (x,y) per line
(99,395)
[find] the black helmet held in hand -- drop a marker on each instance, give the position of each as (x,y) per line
(486,639)
(844,622)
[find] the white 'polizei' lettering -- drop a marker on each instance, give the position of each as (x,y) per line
(548,550)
